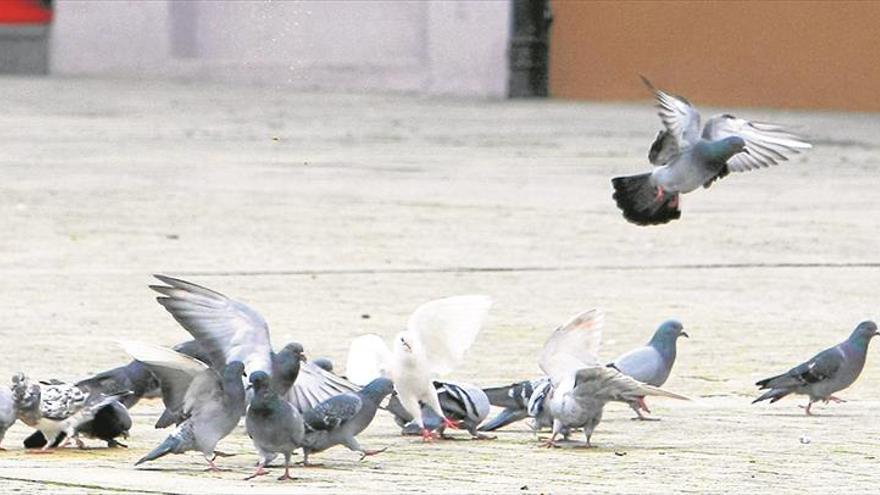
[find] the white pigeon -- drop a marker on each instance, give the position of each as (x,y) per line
(581,386)
(436,338)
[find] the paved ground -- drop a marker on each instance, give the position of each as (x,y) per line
(371,205)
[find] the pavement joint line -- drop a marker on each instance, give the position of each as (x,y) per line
(513,269)
(84,485)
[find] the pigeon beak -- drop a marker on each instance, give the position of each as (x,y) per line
(303,358)
(684,334)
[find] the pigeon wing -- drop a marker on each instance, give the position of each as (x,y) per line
(681,120)
(767,144)
(608,384)
(574,345)
(333,412)
(444,329)
(227,329)
(314,385)
(368,358)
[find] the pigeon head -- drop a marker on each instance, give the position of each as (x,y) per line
(285,367)
(294,349)
(864,333)
(324,363)
(233,371)
(667,333)
(378,389)
(259,380)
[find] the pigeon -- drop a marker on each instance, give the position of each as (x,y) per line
(110,422)
(7,411)
(830,371)
(437,336)
(274,425)
(337,420)
(324,363)
(56,408)
(519,401)
(652,363)
(206,405)
(226,330)
(581,387)
(687,157)
(465,404)
(134,378)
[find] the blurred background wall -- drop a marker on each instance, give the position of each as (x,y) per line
(800,54)
(431,47)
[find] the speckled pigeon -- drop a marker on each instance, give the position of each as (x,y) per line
(830,371)
(687,157)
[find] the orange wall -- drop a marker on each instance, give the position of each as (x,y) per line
(798,54)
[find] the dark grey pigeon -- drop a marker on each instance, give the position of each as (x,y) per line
(830,371)
(206,412)
(7,411)
(324,363)
(226,330)
(653,362)
(274,425)
(133,378)
(687,157)
(520,400)
(338,420)
(466,405)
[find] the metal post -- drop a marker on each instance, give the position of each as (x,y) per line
(528,51)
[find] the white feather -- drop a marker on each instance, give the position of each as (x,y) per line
(573,346)
(368,358)
(162,356)
(444,329)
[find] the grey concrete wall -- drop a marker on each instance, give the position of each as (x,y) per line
(431,47)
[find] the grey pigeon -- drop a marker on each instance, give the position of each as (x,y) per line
(227,330)
(519,401)
(324,363)
(830,371)
(274,425)
(205,404)
(687,156)
(338,420)
(652,363)
(56,408)
(7,411)
(466,405)
(580,387)
(134,378)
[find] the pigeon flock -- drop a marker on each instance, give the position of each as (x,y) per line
(229,370)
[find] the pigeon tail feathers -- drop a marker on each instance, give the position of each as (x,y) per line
(637,199)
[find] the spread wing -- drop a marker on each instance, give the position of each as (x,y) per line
(444,329)
(314,385)
(608,384)
(331,413)
(681,120)
(574,345)
(227,329)
(176,373)
(767,144)
(368,358)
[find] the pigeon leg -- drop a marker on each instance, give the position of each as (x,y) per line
(259,472)
(427,435)
(211,466)
(660,194)
(552,441)
(368,452)
(113,444)
(637,408)
(79,442)
(286,476)
(305,462)
(673,203)
(807,410)
(218,453)
(451,423)
(836,400)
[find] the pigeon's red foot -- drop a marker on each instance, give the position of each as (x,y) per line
(286,476)
(674,202)
(660,194)
(643,406)
(451,423)
(367,452)
(260,472)
(427,435)
(836,400)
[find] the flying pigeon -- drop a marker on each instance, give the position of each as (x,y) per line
(465,404)
(227,330)
(274,425)
(56,408)
(652,363)
(519,401)
(830,371)
(206,405)
(687,157)
(437,336)
(581,387)
(7,411)
(337,420)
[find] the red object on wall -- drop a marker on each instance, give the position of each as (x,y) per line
(24,12)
